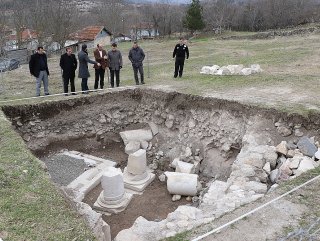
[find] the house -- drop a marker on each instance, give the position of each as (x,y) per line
(91,35)
(27,37)
(143,30)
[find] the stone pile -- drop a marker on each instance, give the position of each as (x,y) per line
(231,70)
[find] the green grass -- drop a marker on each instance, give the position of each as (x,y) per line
(31,207)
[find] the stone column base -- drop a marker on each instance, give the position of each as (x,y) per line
(137,183)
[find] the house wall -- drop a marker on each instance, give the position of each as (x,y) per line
(102,38)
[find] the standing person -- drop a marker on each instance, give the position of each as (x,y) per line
(136,56)
(180,51)
(115,64)
(68,64)
(38,67)
(83,68)
(101,57)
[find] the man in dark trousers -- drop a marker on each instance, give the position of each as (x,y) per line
(83,68)
(101,57)
(180,52)
(115,64)
(68,64)
(136,56)
(38,67)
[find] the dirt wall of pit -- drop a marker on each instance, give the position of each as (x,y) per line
(213,126)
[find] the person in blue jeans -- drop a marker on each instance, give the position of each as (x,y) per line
(83,68)
(38,67)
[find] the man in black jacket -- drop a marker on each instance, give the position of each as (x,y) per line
(38,67)
(180,52)
(68,64)
(136,57)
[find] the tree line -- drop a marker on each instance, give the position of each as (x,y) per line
(58,18)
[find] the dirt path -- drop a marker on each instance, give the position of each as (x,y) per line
(296,211)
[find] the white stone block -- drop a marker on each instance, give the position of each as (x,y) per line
(182,183)
(136,135)
(246,71)
(137,162)
(112,184)
(255,68)
(185,167)
(132,147)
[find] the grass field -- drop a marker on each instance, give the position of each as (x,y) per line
(28,200)
(290,77)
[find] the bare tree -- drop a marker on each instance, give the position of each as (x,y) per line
(20,11)
(110,15)
(218,13)
(63,20)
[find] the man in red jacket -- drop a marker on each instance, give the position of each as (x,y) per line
(102,58)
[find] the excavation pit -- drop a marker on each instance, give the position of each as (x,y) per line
(233,147)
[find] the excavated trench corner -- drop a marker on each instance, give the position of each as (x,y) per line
(208,133)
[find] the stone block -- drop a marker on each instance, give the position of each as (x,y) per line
(185,167)
(132,147)
(136,135)
(137,162)
(182,183)
(307,147)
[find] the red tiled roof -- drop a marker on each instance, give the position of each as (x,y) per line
(88,33)
(26,34)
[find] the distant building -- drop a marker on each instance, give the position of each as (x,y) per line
(143,30)
(91,35)
(28,39)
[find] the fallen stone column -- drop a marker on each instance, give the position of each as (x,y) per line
(182,183)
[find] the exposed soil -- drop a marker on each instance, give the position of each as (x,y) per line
(154,204)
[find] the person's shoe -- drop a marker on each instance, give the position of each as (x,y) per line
(175,76)
(66,94)
(47,93)
(142,83)
(180,76)
(74,94)
(137,83)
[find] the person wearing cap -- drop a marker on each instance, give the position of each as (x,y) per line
(180,52)
(136,56)
(115,64)
(38,67)
(83,68)
(101,57)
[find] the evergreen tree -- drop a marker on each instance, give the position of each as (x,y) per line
(193,19)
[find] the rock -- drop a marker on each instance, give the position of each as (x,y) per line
(294,162)
(255,68)
(188,199)
(174,162)
(282,148)
(257,187)
(290,153)
(169,123)
(26,137)
(317,154)
(267,168)
(192,123)
(176,198)
(246,71)
(284,131)
(307,147)
(188,152)
(298,133)
(274,175)
(162,178)
(102,119)
(154,128)
(306,164)
(285,168)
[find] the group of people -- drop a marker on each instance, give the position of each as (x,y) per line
(104,60)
